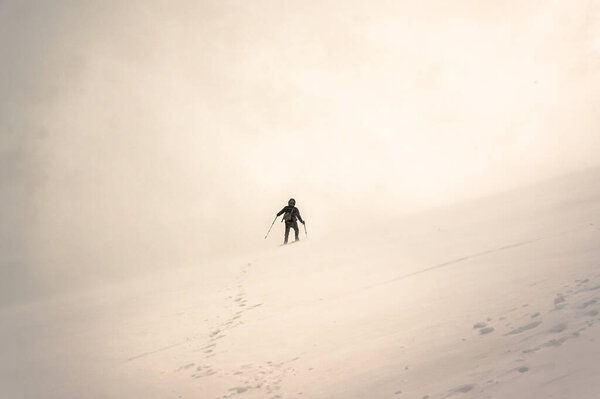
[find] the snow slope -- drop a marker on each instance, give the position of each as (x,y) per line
(496,298)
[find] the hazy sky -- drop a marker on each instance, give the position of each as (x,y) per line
(145,134)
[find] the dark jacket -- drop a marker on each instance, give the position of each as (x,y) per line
(293,210)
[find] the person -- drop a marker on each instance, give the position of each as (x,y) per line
(290,215)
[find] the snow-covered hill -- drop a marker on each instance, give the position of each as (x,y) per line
(496,298)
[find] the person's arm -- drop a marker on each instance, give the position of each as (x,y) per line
(281,212)
(299,217)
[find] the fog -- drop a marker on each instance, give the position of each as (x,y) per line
(152,134)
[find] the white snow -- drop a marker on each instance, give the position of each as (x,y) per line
(496,298)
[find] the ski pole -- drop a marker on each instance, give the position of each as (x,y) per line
(270,227)
(304,224)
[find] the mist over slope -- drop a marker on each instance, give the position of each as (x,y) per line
(494,298)
(139,135)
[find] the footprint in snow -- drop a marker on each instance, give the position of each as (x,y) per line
(524,328)
(587,303)
(486,330)
(558,328)
(462,389)
(560,298)
(555,342)
(185,367)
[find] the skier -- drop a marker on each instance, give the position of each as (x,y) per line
(290,214)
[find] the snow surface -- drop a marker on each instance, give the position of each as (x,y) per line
(497,298)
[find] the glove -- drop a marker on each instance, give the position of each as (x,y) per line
(302,222)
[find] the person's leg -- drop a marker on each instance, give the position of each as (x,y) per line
(287,233)
(296,230)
